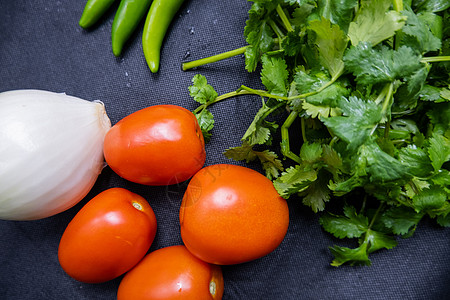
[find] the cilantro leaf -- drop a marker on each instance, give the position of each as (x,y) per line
(433,93)
(429,199)
(338,12)
(292,43)
(439,116)
(417,161)
(294,180)
(445,94)
(358,121)
(317,110)
(201,91)
(375,23)
(354,225)
(418,35)
(332,159)
(351,225)
(415,186)
(373,241)
(206,121)
(401,219)
(442,179)
(444,220)
(274,75)
(243,152)
(331,43)
(258,33)
(439,150)
(204,94)
(270,163)
(299,2)
(371,66)
(269,159)
(330,95)
(357,256)
(311,152)
(322,103)
(378,240)
(308,82)
(381,166)
(260,131)
(317,194)
(415,83)
(302,12)
(431,5)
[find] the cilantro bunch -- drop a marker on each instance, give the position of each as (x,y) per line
(368,82)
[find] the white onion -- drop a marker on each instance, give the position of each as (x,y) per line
(51,152)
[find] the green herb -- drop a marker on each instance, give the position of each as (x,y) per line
(368,83)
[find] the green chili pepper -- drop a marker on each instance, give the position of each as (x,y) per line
(157,22)
(128,16)
(93,11)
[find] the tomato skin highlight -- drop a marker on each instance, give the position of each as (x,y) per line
(172,273)
(157,145)
(107,237)
(232,214)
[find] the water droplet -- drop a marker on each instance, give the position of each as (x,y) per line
(215,21)
(188,11)
(192,30)
(126,74)
(129,84)
(187,54)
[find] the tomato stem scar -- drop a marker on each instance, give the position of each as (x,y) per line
(137,206)
(212,288)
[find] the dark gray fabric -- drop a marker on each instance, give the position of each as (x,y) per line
(42,47)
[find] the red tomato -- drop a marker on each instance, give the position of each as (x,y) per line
(232,214)
(172,273)
(157,145)
(107,237)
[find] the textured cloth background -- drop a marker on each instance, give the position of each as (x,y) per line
(42,47)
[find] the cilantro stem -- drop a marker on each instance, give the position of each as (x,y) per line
(363,206)
(382,95)
(334,139)
(277,31)
(215,58)
(388,98)
(413,187)
(375,216)
(285,147)
(222,97)
(284,18)
(435,58)
(398,5)
(303,125)
(387,93)
(272,109)
(262,93)
(386,130)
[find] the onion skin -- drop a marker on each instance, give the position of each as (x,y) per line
(51,152)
